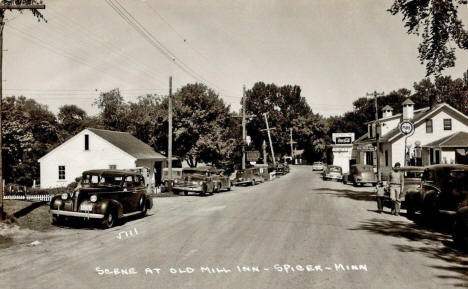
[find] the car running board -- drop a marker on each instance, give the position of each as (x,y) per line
(132,214)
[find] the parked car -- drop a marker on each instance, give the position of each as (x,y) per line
(249,176)
(318,166)
(221,180)
(103,195)
(443,189)
(360,175)
(176,175)
(263,171)
(332,173)
(460,232)
(199,180)
(282,168)
(411,185)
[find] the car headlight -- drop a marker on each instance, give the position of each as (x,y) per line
(93,198)
(200,182)
(64,196)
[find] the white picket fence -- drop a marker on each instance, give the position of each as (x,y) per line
(29,197)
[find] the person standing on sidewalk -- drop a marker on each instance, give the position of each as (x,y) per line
(396,187)
(379,195)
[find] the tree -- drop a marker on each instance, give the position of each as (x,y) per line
(286,108)
(201,124)
(72,119)
(114,111)
(437,22)
(30,130)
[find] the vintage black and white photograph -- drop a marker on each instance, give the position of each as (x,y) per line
(233,144)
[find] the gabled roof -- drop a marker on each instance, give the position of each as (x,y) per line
(408,101)
(399,115)
(387,107)
(419,116)
(128,143)
(458,139)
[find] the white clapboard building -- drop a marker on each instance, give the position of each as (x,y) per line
(440,136)
(97,149)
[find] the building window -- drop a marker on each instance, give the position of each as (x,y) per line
(447,124)
(86,142)
(112,167)
(429,128)
(61,172)
(370,131)
(386,158)
(369,158)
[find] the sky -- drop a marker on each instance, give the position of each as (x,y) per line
(335,50)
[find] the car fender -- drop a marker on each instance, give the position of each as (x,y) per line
(462,214)
(106,205)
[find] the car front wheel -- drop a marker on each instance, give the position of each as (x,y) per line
(109,220)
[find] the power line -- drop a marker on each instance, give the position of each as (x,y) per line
(139,28)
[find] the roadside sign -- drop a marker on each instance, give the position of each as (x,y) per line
(406,127)
(253,156)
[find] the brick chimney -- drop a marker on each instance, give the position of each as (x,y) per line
(387,111)
(408,109)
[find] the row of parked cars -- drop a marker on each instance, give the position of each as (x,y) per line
(105,196)
(433,192)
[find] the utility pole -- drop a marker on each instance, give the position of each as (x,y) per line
(3,8)
(244,133)
(377,133)
(169,145)
(244,129)
(269,139)
(292,144)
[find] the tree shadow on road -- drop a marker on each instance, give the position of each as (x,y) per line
(350,194)
(427,241)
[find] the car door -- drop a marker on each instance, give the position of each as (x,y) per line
(128,197)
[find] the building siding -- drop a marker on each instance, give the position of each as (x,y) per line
(76,159)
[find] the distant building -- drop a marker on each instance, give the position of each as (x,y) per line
(97,149)
(440,136)
(342,150)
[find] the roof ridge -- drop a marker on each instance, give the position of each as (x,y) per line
(101,129)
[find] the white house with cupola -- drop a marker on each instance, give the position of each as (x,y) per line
(98,149)
(440,135)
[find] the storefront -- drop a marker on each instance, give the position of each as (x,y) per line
(342,150)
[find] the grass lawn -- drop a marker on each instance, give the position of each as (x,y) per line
(38,219)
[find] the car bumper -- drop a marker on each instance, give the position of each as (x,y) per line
(333,177)
(242,183)
(188,189)
(77,214)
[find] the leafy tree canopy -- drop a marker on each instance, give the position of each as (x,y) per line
(440,27)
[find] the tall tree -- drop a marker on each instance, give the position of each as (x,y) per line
(440,27)
(72,119)
(30,130)
(201,122)
(286,108)
(114,111)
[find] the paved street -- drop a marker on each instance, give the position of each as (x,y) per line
(297,220)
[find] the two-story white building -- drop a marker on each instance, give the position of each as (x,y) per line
(97,149)
(440,136)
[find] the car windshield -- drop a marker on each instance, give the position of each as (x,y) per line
(96,180)
(334,169)
(413,175)
(317,163)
